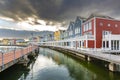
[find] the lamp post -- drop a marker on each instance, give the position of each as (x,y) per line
(32,37)
(14,53)
(32,41)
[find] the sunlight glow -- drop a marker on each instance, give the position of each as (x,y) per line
(6,18)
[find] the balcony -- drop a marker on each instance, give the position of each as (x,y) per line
(111,37)
(85,37)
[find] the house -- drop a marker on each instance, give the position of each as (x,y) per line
(62,36)
(71,31)
(78,30)
(59,35)
(101,32)
(50,37)
(78,26)
(65,34)
(5,41)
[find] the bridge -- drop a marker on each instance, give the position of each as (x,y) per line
(10,58)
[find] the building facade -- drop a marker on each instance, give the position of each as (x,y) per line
(59,35)
(97,32)
(102,29)
(78,26)
(71,30)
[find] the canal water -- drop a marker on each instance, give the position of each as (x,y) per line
(54,65)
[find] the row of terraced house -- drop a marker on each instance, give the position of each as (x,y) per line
(95,32)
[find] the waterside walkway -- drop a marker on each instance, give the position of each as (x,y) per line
(113,59)
(10,58)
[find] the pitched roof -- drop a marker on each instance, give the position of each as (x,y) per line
(99,15)
(80,17)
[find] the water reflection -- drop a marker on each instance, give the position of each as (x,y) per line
(46,69)
(76,70)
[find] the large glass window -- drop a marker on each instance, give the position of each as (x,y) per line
(107,45)
(80,43)
(84,27)
(90,25)
(117,45)
(87,27)
(112,47)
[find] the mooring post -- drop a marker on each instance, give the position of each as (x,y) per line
(88,58)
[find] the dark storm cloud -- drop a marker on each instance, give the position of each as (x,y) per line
(57,10)
(16,9)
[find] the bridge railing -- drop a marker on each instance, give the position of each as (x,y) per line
(15,54)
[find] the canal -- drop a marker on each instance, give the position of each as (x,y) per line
(54,65)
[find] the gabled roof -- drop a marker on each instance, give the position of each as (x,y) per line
(71,25)
(99,15)
(79,17)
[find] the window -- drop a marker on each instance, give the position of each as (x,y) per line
(106,32)
(117,45)
(101,24)
(108,25)
(87,27)
(78,30)
(84,27)
(75,30)
(90,25)
(107,44)
(116,25)
(112,45)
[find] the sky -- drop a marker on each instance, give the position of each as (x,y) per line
(51,15)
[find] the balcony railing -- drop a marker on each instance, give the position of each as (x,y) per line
(111,37)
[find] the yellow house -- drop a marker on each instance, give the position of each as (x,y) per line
(5,41)
(57,35)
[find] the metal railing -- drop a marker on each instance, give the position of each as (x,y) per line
(15,54)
